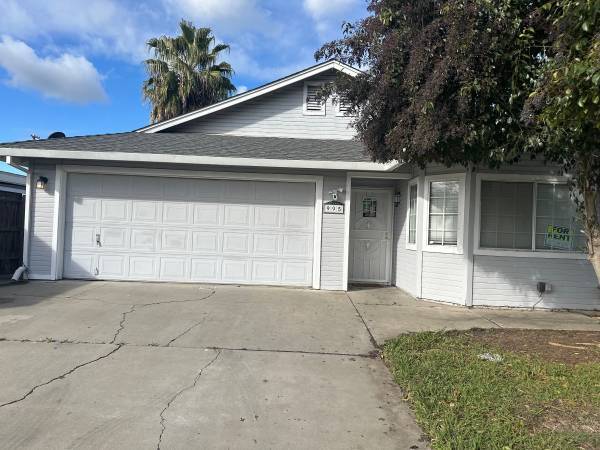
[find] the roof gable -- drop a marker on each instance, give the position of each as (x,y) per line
(253,94)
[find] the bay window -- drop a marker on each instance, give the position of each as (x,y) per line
(412,214)
(443,213)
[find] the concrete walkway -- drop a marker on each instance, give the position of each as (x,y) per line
(134,365)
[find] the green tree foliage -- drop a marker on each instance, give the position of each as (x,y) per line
(186,73)
(481,82)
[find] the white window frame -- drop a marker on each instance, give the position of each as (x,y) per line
(519,253)
(458,248)
(412,245)
(307,112)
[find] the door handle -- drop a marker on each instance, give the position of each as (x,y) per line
(98,243)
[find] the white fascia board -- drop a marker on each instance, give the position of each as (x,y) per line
(202,160)
(237,99)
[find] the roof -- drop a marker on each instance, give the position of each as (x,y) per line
(205,145)
(208,149)
(253,93)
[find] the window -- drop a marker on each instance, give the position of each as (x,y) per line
(556,224)
(506,215)
(412,214)
(313,103)
(443,213)
(369,207)
(508,220)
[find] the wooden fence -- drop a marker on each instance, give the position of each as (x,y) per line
(12,215)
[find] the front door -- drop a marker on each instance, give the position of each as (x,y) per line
(370,236)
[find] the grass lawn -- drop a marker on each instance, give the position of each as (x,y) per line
(544,394)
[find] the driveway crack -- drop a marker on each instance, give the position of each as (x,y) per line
(60,377)
(163,423)
(186,331)
(122,323)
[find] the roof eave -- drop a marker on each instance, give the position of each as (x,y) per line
(201,160)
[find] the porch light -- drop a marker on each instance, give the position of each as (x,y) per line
(41,183)
(397,198)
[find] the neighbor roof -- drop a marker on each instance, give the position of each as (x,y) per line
(195,148)
(253,93)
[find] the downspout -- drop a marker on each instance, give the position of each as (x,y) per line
(21,272)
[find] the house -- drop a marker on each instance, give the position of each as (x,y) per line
(12,182)
(269,187)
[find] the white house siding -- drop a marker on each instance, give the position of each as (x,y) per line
(404,260)
(507,281)
(42,217)
(332,240)
(278,114)
(444,277)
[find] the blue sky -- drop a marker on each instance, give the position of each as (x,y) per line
(75,66)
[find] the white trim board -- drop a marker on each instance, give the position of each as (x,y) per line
(60,203)
(202,160)
(237,99)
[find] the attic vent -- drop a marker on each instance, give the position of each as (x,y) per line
(343,106)
(313,104)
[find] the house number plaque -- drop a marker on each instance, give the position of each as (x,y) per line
(333,208)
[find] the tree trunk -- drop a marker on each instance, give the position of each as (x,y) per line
(592,227)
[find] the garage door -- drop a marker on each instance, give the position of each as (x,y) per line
(175,229)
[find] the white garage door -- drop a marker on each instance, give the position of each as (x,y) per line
(175,229)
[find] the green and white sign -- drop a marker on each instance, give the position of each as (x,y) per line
(558,237)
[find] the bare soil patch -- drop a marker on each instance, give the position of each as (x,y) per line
(567,347)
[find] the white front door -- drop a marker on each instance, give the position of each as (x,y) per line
(176,229)
(370,236)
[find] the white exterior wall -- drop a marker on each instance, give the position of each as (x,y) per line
(42,222)
(444,277)
(404,260)
(332,240)
(278,114)
(509,281)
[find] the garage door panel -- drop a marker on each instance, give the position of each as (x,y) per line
(265,271)
(238,243)
(266,245)
(235,270)
(205,241)
(143,267)
(207,214)
(113,265)
(171,229)
(267,216)
(176,213)
(296,272)
(172,268)
(204,269)
(237,215)
(115,210)
(145,211)
(114,237)
(300,218)
(144,239)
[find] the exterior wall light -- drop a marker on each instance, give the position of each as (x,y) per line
(41,183)
(397,198)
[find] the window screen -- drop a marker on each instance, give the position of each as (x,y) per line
(443,212)
(506,215)
(412,214)
(557,227)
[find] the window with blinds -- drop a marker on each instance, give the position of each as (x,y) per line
(443,213)
(412,214)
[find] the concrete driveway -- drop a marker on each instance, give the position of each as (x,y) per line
(135,365)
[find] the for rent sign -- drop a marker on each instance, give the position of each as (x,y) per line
(558,237)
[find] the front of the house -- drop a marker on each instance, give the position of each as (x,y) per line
(269,187)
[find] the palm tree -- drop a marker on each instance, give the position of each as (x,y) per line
(185,74)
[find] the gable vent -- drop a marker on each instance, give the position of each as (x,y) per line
(343,105)
(313,104)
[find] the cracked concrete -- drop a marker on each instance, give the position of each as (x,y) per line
(134,365)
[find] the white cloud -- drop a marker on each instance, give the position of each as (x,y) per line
(329,15)
(65,77)
(241,89)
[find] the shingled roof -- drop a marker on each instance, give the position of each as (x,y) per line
(194,144)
